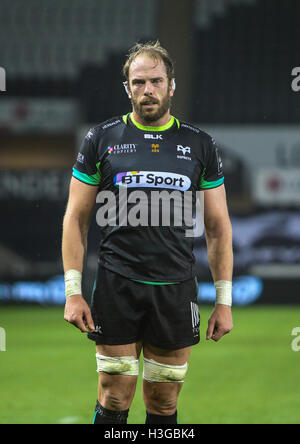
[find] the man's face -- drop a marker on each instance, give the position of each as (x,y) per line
(149,88)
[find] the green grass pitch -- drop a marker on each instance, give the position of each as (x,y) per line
(48,371)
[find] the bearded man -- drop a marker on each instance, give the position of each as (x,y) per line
(145,294)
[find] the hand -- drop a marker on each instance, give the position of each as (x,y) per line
(220,323)
(77,313)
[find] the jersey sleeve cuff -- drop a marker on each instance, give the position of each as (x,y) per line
(86,178)
(207,185)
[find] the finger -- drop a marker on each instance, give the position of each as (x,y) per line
(79,323)
(89,321)
(82,328)
(210,330)
(218,334)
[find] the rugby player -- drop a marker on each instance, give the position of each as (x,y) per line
(145,294)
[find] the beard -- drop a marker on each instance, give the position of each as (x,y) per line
(151,115)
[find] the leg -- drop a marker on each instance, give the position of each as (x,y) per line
(161,397)
(115,390)
(117,315)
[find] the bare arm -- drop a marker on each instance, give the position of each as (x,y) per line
(218,234)
(220,255)
(79,211)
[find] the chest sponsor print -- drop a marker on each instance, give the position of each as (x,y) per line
(152,179)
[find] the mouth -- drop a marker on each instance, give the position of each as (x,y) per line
(149,103)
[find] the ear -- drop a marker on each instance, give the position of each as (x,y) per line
(172,87)
(125,84)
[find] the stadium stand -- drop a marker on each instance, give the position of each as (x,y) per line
(245,53)
(45,44)
(207,9)
(55,38)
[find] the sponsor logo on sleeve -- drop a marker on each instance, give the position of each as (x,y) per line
(89,135)
(80,158)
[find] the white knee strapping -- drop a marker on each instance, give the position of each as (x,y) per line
(156,372)
(125,365)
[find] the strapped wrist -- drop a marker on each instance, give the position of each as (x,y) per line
(73,280)
(224,293)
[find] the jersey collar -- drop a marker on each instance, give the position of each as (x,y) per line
(151,128)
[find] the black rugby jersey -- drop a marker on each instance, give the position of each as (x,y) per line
(122,155)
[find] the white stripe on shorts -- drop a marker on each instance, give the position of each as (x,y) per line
(195,314)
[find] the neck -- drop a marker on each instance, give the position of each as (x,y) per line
(157,123)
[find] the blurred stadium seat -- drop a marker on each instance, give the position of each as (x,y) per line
(244,51)
(55,38)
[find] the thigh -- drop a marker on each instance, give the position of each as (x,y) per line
(115,390)
(115,351)
(169,357)
(117,309)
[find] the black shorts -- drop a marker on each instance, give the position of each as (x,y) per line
(125,312)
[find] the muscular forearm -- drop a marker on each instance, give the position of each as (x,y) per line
(220,255)
(74,243)
(77,311)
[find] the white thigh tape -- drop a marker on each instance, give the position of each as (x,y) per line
(125,365)
(156,372)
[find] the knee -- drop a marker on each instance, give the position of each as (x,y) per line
(117,381)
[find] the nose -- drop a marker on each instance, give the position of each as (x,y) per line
(148,88)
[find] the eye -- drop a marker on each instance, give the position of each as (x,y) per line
(138,82)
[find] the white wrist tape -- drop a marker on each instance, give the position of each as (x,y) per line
(224,293)
(73,283)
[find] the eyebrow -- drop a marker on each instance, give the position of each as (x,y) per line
(143,80)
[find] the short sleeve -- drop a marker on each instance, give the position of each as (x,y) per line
(87,168)
(212,175)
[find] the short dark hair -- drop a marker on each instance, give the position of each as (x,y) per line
(155,51)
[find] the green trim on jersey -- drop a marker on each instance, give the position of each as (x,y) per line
(155,283)
(125,118)
(213,184)
(93,179)
(206,185)
(178,122)
(151,128)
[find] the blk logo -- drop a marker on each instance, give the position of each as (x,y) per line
(154,137)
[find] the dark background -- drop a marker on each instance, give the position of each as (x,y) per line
(234,64)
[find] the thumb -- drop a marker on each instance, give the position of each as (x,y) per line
(89,321)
